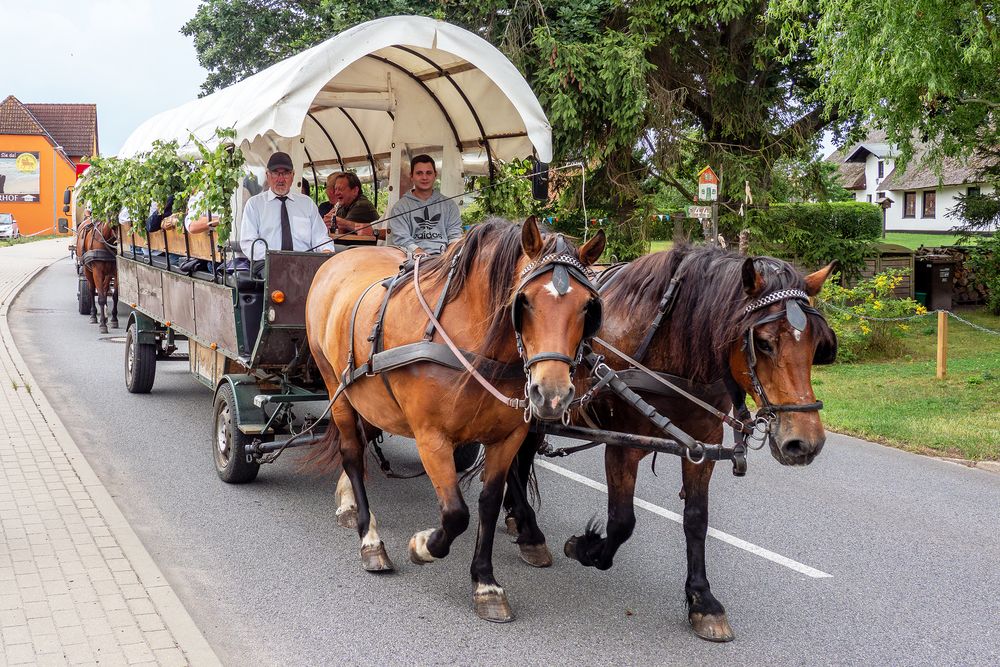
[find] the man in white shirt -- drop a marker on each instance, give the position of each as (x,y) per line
(284,219)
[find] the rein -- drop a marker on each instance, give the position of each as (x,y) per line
(511,402)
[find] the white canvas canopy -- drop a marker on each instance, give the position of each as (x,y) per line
(370,96)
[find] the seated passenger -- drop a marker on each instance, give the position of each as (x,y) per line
(283,219)
(349,210)
(423,221)
(197,222)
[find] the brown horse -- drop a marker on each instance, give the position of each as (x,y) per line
(96,243)
(512,297)
(723,301)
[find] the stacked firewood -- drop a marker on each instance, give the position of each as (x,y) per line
(967,289)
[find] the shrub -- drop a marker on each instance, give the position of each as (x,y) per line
(816,234)
(847,309)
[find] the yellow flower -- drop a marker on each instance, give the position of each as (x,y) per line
(921,310)
(865,330)
(877,305)
(904,327)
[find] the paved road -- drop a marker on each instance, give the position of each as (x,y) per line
(911,544)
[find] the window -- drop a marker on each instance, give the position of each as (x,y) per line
(973,191)
(879,195)
(930,199)
(881,169)
(869,199)
(909,204)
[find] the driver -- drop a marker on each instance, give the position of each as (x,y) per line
(284,219)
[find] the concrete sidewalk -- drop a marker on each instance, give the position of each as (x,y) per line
(76,584)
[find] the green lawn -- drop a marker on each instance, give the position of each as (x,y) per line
(29,239)
(902,403)
(914,240)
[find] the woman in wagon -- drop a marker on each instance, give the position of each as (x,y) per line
(283,219)
(423,221)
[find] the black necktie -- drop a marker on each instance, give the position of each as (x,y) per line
(286,225)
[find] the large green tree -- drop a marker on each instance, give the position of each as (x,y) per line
(649,90)
(924,70)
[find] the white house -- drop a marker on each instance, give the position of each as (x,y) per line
(915,200)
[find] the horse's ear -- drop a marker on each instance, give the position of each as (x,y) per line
(531,239)
(592,250)
(815,280)
(752,281)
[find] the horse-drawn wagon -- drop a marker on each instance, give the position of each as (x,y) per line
(701,327)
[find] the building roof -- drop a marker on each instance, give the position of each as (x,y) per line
(73,126)
(920,174)
(15,118)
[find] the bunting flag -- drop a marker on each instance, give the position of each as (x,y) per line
(749,195)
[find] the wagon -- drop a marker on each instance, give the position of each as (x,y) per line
(364,100)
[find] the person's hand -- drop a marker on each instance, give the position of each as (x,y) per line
(168,223)
(419,251)
(344,225)
(329,218)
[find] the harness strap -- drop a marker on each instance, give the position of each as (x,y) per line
(429,331)
(515,403)
(662,310)
(347,377)
(734,423)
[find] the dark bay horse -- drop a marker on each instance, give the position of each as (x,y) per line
(723,301)
(96,243)
(514,298)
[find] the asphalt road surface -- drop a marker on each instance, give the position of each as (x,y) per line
(868,556)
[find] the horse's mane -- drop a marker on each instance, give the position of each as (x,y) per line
(495,243)
(708,315)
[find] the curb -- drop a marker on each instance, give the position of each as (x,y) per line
(189,638)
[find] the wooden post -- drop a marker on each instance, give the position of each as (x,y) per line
(942,344)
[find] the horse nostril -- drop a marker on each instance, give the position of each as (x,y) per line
(535,394)
(795,447)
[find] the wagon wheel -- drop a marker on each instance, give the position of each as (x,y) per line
(229,443)
(140,362)
(466,456)
(85,297)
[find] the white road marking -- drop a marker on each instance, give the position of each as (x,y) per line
(677,518)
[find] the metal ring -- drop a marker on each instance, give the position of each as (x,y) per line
(565,417)
(704,454)
(527,413)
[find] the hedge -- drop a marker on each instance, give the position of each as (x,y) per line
(813,235)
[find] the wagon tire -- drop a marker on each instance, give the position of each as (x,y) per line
(85,297)
(466,456)
(140,362)
(229,443)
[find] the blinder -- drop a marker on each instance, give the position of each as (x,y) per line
(826,352)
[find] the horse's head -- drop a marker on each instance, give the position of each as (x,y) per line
(780,338)
(554,310)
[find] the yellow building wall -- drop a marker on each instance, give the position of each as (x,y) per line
(39,217)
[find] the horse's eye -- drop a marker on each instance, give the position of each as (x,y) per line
(764,346)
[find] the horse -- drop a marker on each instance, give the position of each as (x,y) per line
(95,247)
(733,326)
(514,299)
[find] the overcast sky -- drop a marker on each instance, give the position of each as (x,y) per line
(126,56)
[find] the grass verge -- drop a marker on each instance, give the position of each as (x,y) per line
(31,239)
(902,403)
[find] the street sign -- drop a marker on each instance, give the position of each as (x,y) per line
(708,185)
(700,212)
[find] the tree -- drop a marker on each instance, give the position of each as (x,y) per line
(924,70)
(645,91)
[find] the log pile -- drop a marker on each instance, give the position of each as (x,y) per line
(967,289)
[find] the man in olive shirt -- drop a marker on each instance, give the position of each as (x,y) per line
(348,210)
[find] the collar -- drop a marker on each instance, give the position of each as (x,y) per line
(270,196)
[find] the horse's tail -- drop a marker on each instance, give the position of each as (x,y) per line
(323,457)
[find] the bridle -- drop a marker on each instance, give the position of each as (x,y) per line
(796,308)
(563,266)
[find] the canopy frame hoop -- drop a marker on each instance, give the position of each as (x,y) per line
(368,152)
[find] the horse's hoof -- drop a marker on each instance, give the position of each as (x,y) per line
(114,324)
(93,320)
(712,627)
(491,604)
(419,554)
(570,547)
(104,329)
(375,559)
(511,524)
(536,555)
(348,518)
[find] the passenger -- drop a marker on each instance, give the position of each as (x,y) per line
(285,220)
(423,221)
(348,210)
(199,224)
